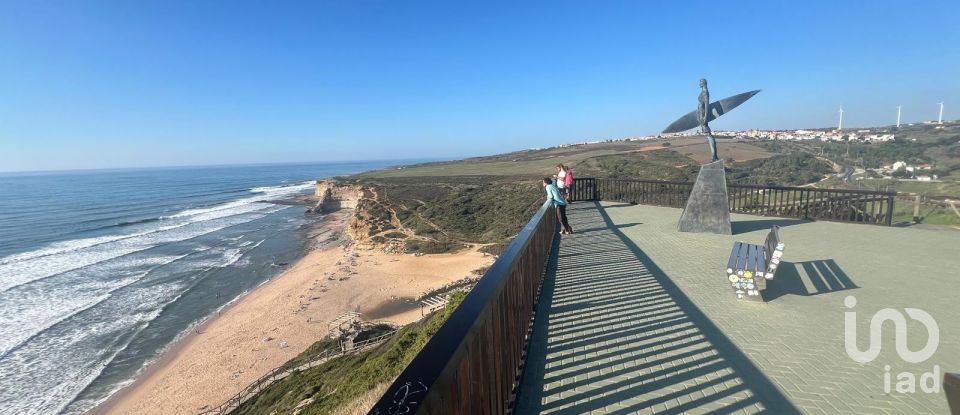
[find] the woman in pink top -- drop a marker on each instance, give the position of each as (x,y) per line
(561,181)
(568,184)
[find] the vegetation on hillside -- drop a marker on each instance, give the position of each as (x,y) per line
(649,165)
(486,200)
(338,383)
(792,169)
(481,211)
(443,207)
(918,144)
(784,169)
(439,215)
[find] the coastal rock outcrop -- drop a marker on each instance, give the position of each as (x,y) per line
(375,226)
(372,224)
(381,223)
(332,195)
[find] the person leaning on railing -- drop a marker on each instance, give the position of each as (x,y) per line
(554,196)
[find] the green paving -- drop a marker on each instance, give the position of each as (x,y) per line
(635,317)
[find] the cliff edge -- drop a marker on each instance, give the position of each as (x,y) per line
(332,195)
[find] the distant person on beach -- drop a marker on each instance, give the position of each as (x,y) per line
(553,195)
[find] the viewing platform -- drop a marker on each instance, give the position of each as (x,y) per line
(633,317)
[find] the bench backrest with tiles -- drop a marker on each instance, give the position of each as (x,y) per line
(750,266)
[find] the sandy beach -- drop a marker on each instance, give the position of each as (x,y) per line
(284,316)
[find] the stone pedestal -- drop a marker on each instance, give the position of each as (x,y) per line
(708,208)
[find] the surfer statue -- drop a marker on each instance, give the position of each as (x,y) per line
(708,207)
(703,110)
(707,111)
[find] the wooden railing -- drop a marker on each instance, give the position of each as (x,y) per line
(857,206)
(472,364)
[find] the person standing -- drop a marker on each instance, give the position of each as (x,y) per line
(560,179)
(568,184)
(553,195)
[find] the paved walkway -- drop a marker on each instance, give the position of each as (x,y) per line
(638,318)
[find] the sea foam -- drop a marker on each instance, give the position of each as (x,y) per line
(64,256)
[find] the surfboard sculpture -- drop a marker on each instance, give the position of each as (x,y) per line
(708,208)
(717,109)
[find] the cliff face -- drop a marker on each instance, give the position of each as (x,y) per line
(370,219)
(374,226)
(332,195)
(389,225)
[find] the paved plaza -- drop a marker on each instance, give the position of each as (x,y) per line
(636,317)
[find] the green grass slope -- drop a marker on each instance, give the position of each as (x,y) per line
(337,384)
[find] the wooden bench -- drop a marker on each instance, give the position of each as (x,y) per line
(750,266)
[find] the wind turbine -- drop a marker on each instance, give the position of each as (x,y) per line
(840,127)
(940,119)
(898,115)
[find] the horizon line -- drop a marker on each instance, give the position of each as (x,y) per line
(417,159)
(178,166)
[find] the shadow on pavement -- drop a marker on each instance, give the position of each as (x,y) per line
(819,277)
(614,334)
(744,226)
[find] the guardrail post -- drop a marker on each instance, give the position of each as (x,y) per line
(889,220)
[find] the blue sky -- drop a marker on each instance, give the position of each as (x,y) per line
(101,84)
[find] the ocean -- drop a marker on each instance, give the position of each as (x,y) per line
(102,270)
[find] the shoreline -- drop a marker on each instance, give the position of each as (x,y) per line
(265,327)
(173,350)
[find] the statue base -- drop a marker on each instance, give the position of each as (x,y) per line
(708,208)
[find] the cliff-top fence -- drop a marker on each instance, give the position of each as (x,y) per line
(472,364)
(856,206)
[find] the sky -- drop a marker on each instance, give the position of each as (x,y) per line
(115,84)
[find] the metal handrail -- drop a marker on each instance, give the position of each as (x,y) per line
(755,186)
(841,205)
(472,363)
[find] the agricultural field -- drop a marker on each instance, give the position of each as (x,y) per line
(539,163)
(929,214)
(948,186)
